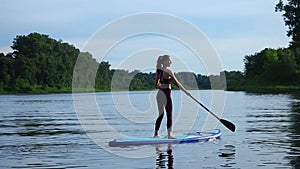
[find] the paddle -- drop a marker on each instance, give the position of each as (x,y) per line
(226,123)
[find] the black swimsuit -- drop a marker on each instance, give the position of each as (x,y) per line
(164,99)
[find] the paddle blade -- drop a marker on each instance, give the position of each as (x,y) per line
(228,124)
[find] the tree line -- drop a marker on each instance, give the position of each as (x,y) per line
(274,66)
(41,64)
(277,68)
(37,63)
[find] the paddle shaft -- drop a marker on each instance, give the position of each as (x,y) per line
(212,113)
(226,123)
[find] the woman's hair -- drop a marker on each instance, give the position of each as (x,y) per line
(160,61)
(159,68)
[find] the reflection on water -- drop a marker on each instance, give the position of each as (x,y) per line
(42,131)
(294,154)
(164,158)
(275,130)
(228,153)
(38,131)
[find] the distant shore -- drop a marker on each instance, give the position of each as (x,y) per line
(268,89)
(40,64)
(275,89)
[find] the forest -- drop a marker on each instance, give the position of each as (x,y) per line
(277,69)
(41,64)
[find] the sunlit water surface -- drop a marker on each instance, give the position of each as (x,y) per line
(43,131)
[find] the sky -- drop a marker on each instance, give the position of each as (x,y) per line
(234,28)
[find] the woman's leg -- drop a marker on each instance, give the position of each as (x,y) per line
(161,100)
(169,110)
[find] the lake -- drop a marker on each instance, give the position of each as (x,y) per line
(73,130)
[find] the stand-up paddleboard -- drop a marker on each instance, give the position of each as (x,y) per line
(186,138)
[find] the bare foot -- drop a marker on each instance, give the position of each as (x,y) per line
(171,137)
(156,136)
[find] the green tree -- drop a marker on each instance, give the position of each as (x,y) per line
(188,79)
(296,51)
(7,72)
(120,80)
(33,45)
(287,69)
(103,79)
(203,82)
(141,81)
(272,66)
(291,17)
(38,62)
(234,80)
(85,72)
(253,65)
(25,68)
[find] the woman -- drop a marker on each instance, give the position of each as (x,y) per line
(164,78)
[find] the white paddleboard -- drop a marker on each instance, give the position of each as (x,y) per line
(186,138)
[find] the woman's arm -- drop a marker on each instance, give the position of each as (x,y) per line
(181,87)
(157,79)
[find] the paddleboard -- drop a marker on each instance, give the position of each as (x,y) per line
(186,138)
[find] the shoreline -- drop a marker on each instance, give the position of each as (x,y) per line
(268,89)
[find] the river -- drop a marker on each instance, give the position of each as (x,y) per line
(47,131)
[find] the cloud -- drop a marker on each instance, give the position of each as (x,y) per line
(233,50)
(5,49)
(234,27)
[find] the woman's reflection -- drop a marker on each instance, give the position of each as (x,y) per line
(164,158)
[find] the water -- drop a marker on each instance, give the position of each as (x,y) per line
(43,131)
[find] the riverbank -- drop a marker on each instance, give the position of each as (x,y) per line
(267,89)
(50,90)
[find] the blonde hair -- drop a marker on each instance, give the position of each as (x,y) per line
(159,68)
(161,60)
